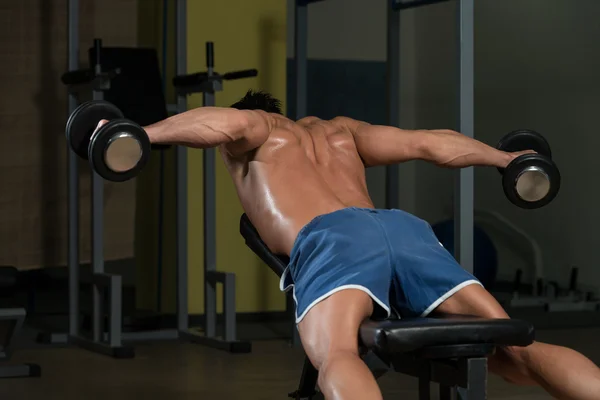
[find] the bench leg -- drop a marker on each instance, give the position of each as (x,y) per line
(425,382)
(477,373)
(448,392)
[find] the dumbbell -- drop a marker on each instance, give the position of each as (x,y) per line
(118,150)
(530,180)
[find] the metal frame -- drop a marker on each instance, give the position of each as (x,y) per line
(392,172)
(212,277)
(458,377)
(14,317)
(405,4)
(464,181)
(107,288)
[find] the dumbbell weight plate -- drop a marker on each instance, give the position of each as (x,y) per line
(119,150)
(531,181)
(83,121)
(524,139)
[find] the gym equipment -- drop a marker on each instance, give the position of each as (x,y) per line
(550,296)
(574,299)
(485,261)
(201,82)
(526,247)
(118,150)
(447,349)
(406,4)
(208,83)
(463,191)
(107,288)
(11,321)
(538,292)
(531,180)
(93,78)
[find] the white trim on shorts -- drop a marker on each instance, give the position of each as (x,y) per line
(337,289)
(449,293)
(282,280)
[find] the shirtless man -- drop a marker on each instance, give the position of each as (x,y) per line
(302,184)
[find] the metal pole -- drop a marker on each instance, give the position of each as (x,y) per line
(97,222)
(300,67)
(210,208)
(464,186)
(392,172)
(73,180)
(181,179)
(300,58)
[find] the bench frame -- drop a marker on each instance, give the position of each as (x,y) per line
(460,368)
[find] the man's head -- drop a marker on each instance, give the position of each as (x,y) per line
(258,101)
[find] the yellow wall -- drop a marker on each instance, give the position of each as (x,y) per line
(246,34)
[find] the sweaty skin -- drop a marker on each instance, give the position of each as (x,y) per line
(286,173)
(291,172)
(302,170)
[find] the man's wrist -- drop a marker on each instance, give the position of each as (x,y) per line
(504,159)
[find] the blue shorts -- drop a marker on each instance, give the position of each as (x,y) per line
(391,255)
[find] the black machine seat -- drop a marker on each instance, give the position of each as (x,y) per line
(394,336)
(255,243)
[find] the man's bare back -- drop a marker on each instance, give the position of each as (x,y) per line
(302,170)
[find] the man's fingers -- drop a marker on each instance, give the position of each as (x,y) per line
(520,153)
(102,122)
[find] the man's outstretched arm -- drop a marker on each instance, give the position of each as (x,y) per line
(239,130)
(384,145)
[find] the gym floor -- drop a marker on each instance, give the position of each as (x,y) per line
(187,371)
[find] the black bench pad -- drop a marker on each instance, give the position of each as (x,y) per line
(410,334)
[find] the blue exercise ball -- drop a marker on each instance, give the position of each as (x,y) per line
(485,255)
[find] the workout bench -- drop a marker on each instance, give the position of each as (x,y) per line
(450,350)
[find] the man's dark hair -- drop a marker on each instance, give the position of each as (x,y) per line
(258,101)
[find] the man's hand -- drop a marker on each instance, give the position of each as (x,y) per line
(516,154)
(100,125)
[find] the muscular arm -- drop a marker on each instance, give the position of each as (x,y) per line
(238,130)
(383,145)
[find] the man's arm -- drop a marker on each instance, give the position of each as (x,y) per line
(238,130)
(384,145)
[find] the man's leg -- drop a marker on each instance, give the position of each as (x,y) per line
(329,334)
(564,373)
